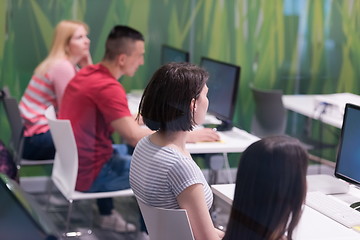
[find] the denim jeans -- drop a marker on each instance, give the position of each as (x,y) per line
(39,147)
(113,176)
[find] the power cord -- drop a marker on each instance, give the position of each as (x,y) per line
(324,106)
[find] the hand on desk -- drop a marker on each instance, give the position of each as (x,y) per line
(203,135)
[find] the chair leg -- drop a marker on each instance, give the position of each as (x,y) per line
(49,190)
(74,233)
(68,216)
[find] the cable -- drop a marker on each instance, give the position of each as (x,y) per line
(322,112)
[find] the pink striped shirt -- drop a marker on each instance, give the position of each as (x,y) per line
(42,92)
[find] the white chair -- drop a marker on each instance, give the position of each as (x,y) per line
(65,167)
(17,128)
(165,224)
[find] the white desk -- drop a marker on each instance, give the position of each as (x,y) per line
(310,106)
(234,141)
(312,226)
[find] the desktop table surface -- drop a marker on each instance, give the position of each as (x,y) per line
(328,108)
(312,226)
(233,141)
(307,106)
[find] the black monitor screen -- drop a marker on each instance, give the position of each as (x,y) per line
(348,158)
(20,216)
(223,87)
(171,54)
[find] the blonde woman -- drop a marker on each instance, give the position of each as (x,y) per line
(69,51)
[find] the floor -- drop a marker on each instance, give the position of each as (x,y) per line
(85,214)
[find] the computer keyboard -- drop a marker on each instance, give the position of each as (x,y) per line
(334,209)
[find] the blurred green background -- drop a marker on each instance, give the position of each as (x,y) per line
(299,46)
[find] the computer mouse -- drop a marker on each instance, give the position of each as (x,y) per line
(356,206)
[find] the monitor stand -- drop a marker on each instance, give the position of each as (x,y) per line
(224,126)
(326,184)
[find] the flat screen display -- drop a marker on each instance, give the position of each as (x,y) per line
(223,87)
(348,157)
(172,54)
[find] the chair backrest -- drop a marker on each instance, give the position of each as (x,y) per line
(65,166)
(270,115)
(165,224)
(16,125)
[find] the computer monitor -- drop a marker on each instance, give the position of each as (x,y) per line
(20,216)
(223,85)
(172,54)
(348,157)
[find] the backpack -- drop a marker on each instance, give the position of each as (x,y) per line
(7,164)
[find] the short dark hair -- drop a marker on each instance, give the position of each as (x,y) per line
(165,104)
(119,41)
(270,190)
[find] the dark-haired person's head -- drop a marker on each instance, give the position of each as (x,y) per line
(126,46)
(270,190)
(175,98)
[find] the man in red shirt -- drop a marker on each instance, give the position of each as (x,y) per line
(96,104)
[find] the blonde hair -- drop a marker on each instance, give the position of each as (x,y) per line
(63,32)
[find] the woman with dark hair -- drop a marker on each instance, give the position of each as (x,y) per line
(270,190)
(162,172)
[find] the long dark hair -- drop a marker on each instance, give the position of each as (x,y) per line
(270,190)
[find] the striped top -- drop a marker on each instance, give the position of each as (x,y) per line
(159,174)
(41,92)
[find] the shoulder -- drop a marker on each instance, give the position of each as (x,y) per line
(61,66)
(184,165)
(144,141)
(62,63)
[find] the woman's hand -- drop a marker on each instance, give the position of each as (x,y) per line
(86,60)
(202,135)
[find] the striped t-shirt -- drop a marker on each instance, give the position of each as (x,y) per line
(43,91)
(159,174)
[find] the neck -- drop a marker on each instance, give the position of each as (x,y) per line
(113,69)
(177,139)
(74,60)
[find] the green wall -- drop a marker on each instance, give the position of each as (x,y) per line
(300,46)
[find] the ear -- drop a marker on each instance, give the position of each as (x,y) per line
(122,59)
(193,105)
